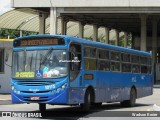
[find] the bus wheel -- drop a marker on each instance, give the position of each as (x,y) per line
(42,107)
(132,100)
(87,102)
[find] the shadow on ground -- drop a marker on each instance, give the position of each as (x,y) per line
(75,112)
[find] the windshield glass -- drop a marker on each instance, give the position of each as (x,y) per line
(39,64)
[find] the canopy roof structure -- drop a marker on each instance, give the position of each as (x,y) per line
(28,20)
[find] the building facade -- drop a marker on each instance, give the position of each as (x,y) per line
(5,65)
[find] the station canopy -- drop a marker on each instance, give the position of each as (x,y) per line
(27,19)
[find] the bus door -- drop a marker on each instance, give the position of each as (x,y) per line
(75,68)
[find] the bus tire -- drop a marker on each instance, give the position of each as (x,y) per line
(42,108)
(87,102)
(132,101)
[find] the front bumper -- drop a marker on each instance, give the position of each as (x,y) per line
(48,98)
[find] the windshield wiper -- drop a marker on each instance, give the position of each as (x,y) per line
(31,62)
(44,58)
(24,59)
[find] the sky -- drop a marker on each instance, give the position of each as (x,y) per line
(5,5)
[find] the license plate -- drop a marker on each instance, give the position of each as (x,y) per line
(34,98)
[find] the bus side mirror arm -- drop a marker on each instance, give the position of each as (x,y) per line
(8,65)
(6,59)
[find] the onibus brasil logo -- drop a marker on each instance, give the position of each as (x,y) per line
(22,114)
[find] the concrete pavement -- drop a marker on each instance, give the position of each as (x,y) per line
(5,99)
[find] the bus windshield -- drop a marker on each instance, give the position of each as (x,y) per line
(39,64)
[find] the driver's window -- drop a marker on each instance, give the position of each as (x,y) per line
(75,60)
(54,64)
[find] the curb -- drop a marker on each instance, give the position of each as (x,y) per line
(156,86)
(5,102)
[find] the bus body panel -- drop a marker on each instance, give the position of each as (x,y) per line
(108,86)
(114,86)
(76,95)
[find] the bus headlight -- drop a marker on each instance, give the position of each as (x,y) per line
(15,90)
(12,88)
(18,92)
(58,90)
(64,86)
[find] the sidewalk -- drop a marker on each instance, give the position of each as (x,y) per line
(156,86)
(5,99)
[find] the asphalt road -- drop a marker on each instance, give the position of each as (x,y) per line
(114,110)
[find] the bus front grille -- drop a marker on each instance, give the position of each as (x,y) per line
(35,91)
(33,83)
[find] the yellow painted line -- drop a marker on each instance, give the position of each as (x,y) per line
(7,40)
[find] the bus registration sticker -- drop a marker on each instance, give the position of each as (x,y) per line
(34,98)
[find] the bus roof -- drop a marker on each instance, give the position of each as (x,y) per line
(91,43)
(107,46)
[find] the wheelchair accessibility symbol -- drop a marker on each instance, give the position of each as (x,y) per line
(39,73)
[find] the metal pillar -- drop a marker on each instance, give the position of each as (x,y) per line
(154,41)
(95,33)
(117,38)
(63,26)
(42,18)
(81,30)
(154,46)
(143,46)
(132,42)
(53,20)
(20,33)
(107,35)
(125,39)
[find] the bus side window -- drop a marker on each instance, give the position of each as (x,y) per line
(75,60)
(126,67)
(115,66)
(135,69)
(115,56)
(144,69)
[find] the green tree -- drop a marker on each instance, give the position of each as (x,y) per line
(4,33)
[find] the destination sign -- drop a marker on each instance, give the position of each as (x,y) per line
(25,74)
(39,42)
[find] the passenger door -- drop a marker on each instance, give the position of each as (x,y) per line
(75,76)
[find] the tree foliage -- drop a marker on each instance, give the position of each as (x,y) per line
(4,33)
(101,38)
(11,33)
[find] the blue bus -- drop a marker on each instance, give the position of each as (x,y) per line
(66,70)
